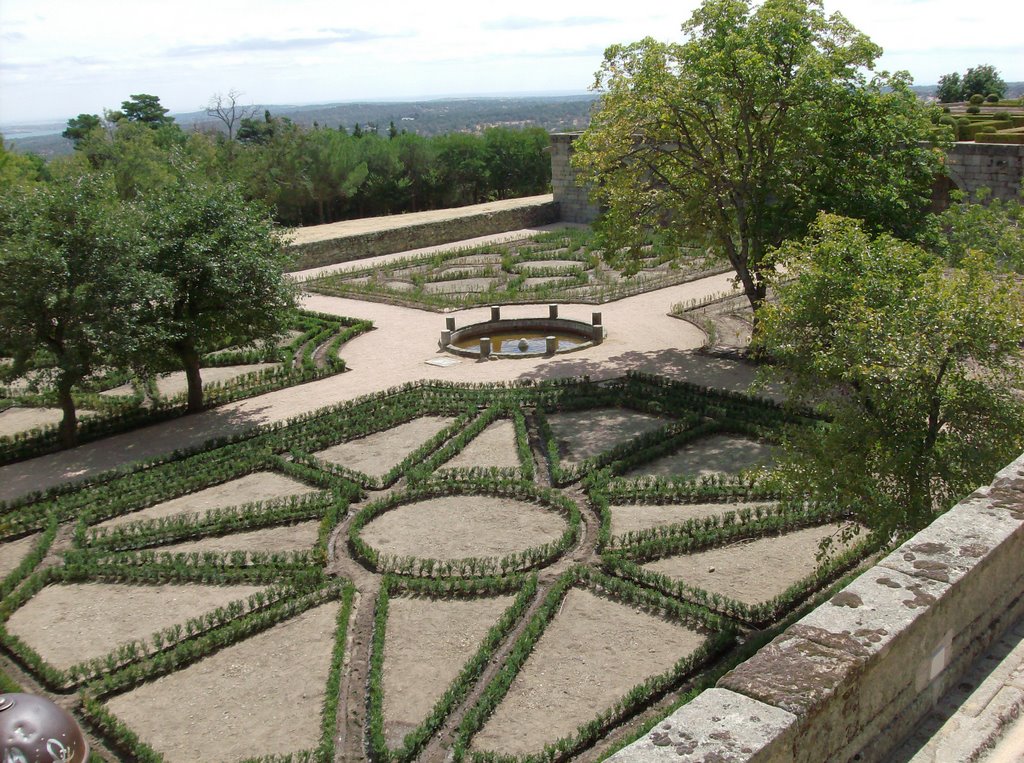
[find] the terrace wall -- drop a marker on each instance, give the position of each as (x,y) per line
(321,245)
(971,166)
(852,678)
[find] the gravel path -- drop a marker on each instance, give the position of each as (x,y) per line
(641,336)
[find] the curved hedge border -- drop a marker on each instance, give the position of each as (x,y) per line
(448,485)
(721,636)
(121,415)
(414,742)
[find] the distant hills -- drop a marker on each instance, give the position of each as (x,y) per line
(428,117)
(432,117)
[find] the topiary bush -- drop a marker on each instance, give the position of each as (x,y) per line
(992,98)
(977,99)
(972,109)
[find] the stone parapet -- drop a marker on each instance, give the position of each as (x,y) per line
(358,239)
(852,678)
(573,199)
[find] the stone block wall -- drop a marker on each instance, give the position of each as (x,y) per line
(404,232)
(851,679)
(573,200)
(998,167)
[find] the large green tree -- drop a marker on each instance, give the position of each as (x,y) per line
(220,263)
(983,79)
(735,138)
(72,288)
(917,367)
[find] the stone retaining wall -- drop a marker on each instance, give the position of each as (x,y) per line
(971,166)
(997,167)
(852,678)
(573,200)
(404,232)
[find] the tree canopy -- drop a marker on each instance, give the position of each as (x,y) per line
(72,285)
(983,79)
(736,138)
(220,262)
(916,366)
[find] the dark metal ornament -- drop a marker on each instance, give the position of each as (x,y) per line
(35,730)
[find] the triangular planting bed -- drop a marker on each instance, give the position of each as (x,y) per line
(261,696)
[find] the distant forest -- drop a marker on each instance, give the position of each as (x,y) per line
(427,118)
(323,164)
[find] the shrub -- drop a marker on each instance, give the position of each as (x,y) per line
(973,109)
(945,109)
(992,98)
(977,99)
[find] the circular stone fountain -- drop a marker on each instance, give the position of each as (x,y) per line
(521,337)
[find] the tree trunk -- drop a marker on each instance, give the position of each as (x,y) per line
(190,362)
(68,424)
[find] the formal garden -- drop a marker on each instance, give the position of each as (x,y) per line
(500,572)
(556,266)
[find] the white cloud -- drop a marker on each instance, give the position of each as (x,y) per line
(62,57)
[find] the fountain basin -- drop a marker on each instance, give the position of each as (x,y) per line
(522,337)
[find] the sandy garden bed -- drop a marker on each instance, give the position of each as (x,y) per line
(12,552)
(375,454)
(174,383)
(461,526)
(427,643)
(258,486)
(751,571)
(631,517)
(582,434)
(259,697)
(461,285)
(591,654)
(715,454)
(69,623)
(297,537)
(495,446)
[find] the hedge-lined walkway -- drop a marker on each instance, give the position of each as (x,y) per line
(641,336)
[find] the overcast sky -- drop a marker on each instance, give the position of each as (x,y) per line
(59,58)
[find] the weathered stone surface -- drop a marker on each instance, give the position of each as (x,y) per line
(793,673)
(718,725)
(956,542)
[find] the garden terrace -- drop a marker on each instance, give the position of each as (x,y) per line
(555,266)
(490,599)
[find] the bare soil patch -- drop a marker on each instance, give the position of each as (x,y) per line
(459,526)
(68,623)
(631,517)
(260,697)
(21,419)
(297,537)
(427,643)
(375,454)
(12,552)
(495,446)
(751,571)
(715,454)
(582,434)
(173,384)
(591,654)
(461,285)
(258,486)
